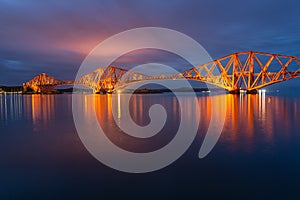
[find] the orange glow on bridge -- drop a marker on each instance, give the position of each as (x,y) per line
(247,71)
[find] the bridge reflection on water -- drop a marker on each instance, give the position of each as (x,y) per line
(247,116)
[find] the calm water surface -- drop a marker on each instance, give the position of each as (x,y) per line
(257,156)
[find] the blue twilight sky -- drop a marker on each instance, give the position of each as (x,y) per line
(55,36)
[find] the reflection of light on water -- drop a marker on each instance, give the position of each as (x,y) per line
(42,110)
(119,106)
(251,123)
(11,106)
(262,102)
(86,103)
(33,108)
(251,117)
(263,99)
(37,108)
(140,108)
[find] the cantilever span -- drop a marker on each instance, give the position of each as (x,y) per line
(248,71)
(105,80)
(44,83)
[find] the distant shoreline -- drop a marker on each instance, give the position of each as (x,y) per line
(19,90)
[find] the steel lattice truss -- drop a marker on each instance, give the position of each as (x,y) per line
(246,70)
(105,80)
(239,71)
(91,80)
(44,83)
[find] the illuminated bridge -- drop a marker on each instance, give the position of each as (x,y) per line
(247,71)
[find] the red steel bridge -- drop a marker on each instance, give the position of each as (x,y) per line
(247,71)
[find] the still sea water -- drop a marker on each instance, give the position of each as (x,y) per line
(256,157)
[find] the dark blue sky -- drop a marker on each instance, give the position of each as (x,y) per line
(55,36)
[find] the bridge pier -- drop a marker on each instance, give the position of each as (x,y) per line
(251,91)
(99,92)
(234,91)
(238,91)
(103,91)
